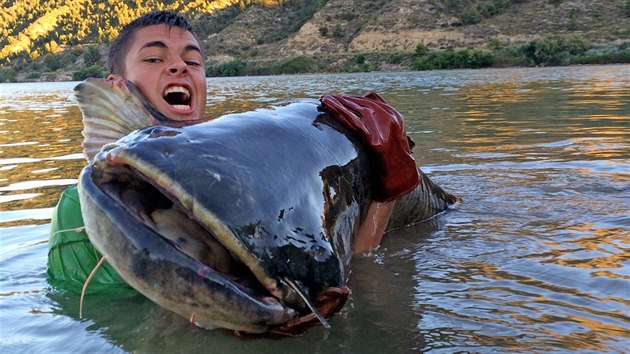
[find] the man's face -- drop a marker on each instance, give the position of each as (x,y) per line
(167,66)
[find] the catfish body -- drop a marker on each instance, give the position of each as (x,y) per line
(239,222)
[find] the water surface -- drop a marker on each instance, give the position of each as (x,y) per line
(535,259)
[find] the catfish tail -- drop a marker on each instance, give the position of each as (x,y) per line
(422,203)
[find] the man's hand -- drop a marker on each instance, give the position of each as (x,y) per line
(382,129)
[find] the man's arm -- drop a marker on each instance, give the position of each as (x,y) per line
(373,226)
(383,131)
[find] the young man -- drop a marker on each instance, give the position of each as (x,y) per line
(162,56)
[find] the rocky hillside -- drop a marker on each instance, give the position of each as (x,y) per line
(355,26)
(330,34)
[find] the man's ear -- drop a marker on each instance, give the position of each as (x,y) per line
(114,77)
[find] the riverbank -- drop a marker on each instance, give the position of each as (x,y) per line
(551,50)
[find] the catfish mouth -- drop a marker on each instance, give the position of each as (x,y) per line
(273,305)
(161,212)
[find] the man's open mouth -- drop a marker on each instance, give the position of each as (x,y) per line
(178,97)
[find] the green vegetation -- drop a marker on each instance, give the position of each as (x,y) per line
(455,59)
(232,68)
(8,75)
(548,50)
(52,62)
(292,66)
(347,15)
(91,56)
(421,49)
(337,31)
(206,24)
(96,70)
(494,8)
(554,49)
(470,17)
(607,58)
(396,58)
(574,16)
(470,12)
(239,67)
(33,75)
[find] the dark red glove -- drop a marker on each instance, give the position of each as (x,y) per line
(383,130)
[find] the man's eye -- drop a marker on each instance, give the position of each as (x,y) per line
(153,60)
(193,63)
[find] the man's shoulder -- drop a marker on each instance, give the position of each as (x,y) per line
(67,212)
(70,194)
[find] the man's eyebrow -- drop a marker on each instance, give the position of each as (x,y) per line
(160,44)
(193,48)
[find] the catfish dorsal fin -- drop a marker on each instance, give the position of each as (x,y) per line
(111,109)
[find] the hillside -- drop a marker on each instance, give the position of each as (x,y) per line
(399,25)
(342,28)
(55,38)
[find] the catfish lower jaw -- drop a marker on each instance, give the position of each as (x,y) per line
(151,207)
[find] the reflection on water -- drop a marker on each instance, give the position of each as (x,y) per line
(40,140)
(535,259)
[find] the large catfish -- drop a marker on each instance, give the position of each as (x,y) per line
(244,222)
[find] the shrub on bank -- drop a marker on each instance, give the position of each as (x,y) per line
(297,65)
(455,59)
(231,68)
(91,56)
(554,49)
(52,62)
(33,75)
(604,58)
(8,75)
(96,70)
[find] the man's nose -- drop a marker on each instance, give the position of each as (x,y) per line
(178,67)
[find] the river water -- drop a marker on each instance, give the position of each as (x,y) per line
(535,259)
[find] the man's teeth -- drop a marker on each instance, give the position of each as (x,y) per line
(175,89)
(180,99)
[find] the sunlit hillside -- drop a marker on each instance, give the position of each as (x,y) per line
(52,40)
(47,26)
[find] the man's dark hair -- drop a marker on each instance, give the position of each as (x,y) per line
(119,47)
